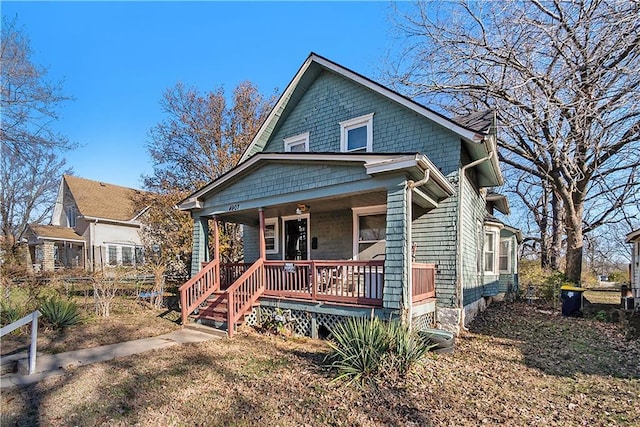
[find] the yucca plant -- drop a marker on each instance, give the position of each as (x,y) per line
(59,313)
(359,349)
(407,348)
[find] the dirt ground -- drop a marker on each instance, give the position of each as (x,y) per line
(518,365)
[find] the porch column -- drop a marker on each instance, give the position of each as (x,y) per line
(216,239)
(200,249)
(397,264)
(262,243)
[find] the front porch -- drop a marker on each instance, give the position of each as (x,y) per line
(336,234)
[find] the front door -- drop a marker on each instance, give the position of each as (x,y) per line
(295,239)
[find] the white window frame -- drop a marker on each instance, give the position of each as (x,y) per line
(276,240)
(507,255)
(347,125)
(133,259)
(493,252)
(71,216)
(117,261)
(357,213)
(293,141)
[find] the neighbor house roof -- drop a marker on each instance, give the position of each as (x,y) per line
(96,199)
(55,232)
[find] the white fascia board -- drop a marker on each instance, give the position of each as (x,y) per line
(58,239)
(113,221)
(277,109)
(441,120)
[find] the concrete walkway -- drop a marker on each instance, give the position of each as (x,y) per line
(57,364)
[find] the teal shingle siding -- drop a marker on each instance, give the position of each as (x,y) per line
(332,99)
(200,249)
(274,179)
(396,263)
(472,235)
(333,231)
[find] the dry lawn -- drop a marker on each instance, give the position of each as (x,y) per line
(518,365)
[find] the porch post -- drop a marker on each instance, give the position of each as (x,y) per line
(216,239)
(200,252)
(261,234)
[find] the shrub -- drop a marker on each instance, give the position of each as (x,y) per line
(9,313)
(358,350)
(367,350)
(59,313)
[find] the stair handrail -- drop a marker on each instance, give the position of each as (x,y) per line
(197,289)
(33,318)
(234,313)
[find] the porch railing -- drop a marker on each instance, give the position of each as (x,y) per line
(423,278)
(199,288)
(243,293)
(351,282)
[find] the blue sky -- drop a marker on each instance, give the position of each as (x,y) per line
(117,58)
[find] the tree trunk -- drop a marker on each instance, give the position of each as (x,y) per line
(556,232)
(573,224)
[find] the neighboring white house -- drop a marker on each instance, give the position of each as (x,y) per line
(634,276)
(93,224)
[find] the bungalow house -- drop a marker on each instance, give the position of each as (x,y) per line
(354,201)
(93,224)
(634,268)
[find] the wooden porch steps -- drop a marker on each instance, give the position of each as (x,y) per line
(214,312)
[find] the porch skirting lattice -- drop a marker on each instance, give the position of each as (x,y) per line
(302,322)
(424,321)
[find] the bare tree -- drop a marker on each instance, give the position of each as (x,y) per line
(200,139)
(30,167)
(564,78)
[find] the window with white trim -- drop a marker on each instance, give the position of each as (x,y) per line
(271,235)
(71,216)
(489,252)
(357,134)
(127,255)
(370,232)
(297,144)
(112,252)
(504,260)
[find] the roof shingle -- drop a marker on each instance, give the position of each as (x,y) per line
(101,200)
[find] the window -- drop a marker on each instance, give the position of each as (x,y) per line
(271,236)
(127,255)
(113,255)
(370,232)
(489,252)
(139,255)
(297,144)
(357,134)
(71,216)
(504,260)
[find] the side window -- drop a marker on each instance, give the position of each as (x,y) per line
(271,235)
(489,252)
(504,262)
(297,144)
(357,134)
(71,216)
(113,255)
(127,255)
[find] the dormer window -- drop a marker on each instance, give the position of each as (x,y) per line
(297,144)
(357,134)
(71,216)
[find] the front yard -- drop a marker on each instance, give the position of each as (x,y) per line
(518,365)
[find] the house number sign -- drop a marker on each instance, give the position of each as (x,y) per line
(234,207)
